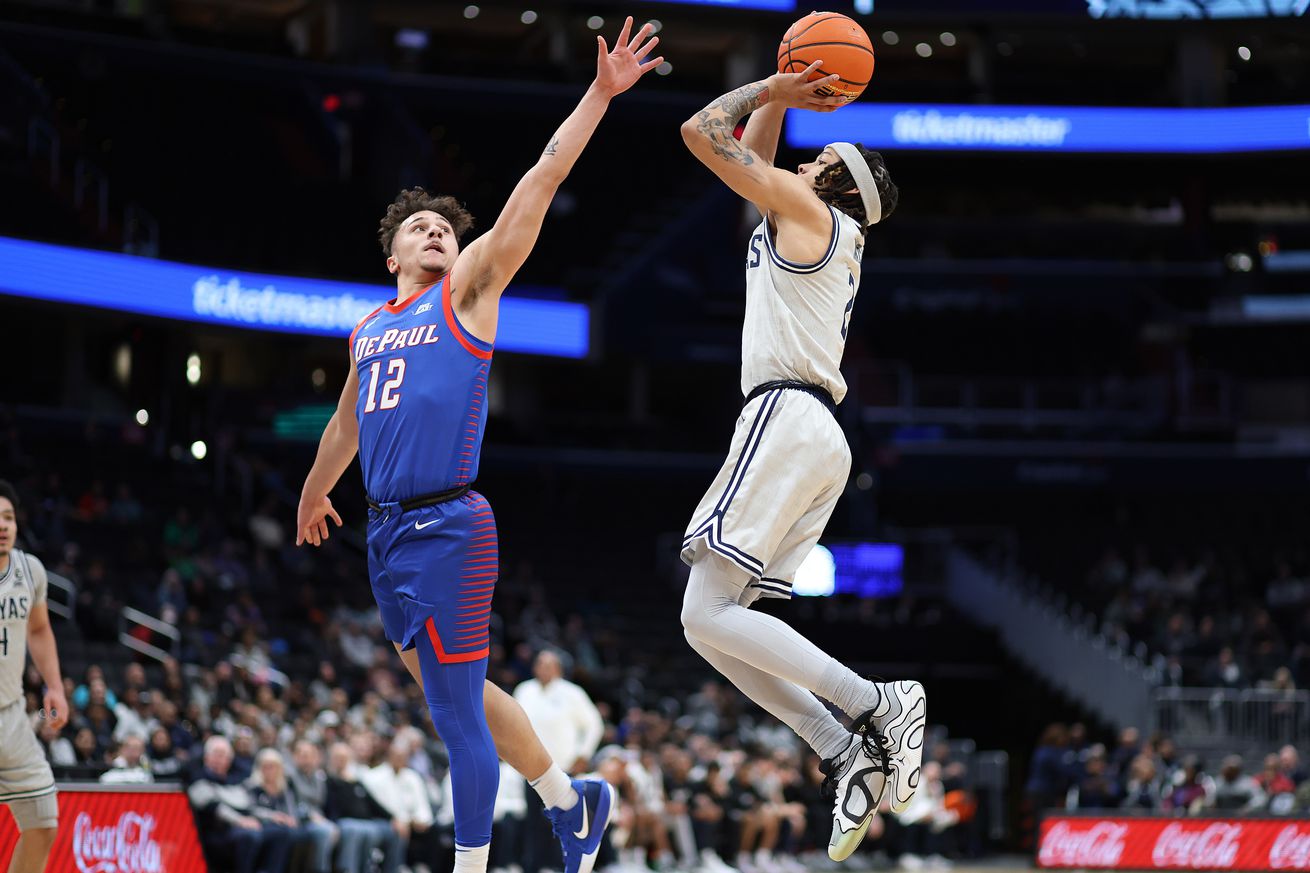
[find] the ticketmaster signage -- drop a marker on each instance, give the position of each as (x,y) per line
(1196,8)
(254,300)
(1056,128)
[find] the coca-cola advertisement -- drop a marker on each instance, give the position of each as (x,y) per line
(1145,843)
(111,831)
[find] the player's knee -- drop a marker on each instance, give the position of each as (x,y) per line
(37,817)
(695,620)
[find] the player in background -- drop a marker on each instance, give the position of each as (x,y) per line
(414,408)
(26,783)
(789,460)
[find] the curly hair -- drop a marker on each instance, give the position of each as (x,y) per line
(835,179)
(413,200)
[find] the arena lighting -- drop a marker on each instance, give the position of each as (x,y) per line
(471,11)
(193,368)
(142,417)
(260,301)
(923,50)
(1056,128)
(199,450)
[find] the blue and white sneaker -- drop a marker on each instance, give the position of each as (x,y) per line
(581,828)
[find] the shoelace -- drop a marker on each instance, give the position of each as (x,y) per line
(559,828)
(874,744)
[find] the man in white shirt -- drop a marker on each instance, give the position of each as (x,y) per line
(400,789)
(570,727)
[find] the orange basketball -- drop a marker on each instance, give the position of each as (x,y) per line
(842,45)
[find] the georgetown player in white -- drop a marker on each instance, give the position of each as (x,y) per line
(789,460)
(26,783)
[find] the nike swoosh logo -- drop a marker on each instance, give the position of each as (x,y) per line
(419,525)
(586,821)
(370,322)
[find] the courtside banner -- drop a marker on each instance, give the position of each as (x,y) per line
(103,830)
(259,301)
(1149,843)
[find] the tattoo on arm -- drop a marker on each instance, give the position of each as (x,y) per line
(717,121)
(553,147)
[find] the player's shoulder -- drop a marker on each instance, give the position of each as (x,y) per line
(33,563)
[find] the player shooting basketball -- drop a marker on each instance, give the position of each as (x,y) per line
(414,407)
(789,460)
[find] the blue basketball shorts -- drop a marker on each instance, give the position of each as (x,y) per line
(433,572)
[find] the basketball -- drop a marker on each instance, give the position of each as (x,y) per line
(842,44)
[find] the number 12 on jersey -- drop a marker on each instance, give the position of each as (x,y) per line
(390,394)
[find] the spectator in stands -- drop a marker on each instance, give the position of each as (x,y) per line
(132,713)
(130,766)
(125,509)
(1096,789)
(1274,781)
(1130,746)
(1235,792)
(678,789)
(276,805)
(570,728)
(1048,774)
(927,825)
(710,798)
(1289,764)
(1193,790)
(1142,790)
(1167,762)
(225,816)
(1224,671)
(94,678)
(90,757)
(307,778)
(402,792)
(1177,637)
(364,823)
(58,748)
(166,762)
(243,753)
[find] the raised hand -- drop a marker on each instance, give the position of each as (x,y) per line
(795,92)
(619,70)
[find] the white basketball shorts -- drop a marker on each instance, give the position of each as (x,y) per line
(773,496)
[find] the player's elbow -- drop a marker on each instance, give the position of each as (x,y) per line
(691,133)
(547,176)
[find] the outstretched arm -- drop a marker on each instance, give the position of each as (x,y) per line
(746,170)
(488,264)
(336,449)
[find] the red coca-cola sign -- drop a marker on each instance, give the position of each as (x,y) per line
(1152,843)
(112,831)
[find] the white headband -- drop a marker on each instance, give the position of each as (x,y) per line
(863,177)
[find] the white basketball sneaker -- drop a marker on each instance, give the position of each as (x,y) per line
(855,780)
(899,716)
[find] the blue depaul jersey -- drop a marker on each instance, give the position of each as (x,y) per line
(422,403)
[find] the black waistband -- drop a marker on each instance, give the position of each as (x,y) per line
(424,499)
(818,393)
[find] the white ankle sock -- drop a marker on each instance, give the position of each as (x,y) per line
(849,692)
(555,789)
(471,860)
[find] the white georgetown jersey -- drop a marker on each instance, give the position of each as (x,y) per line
(22,586)
(797,315)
